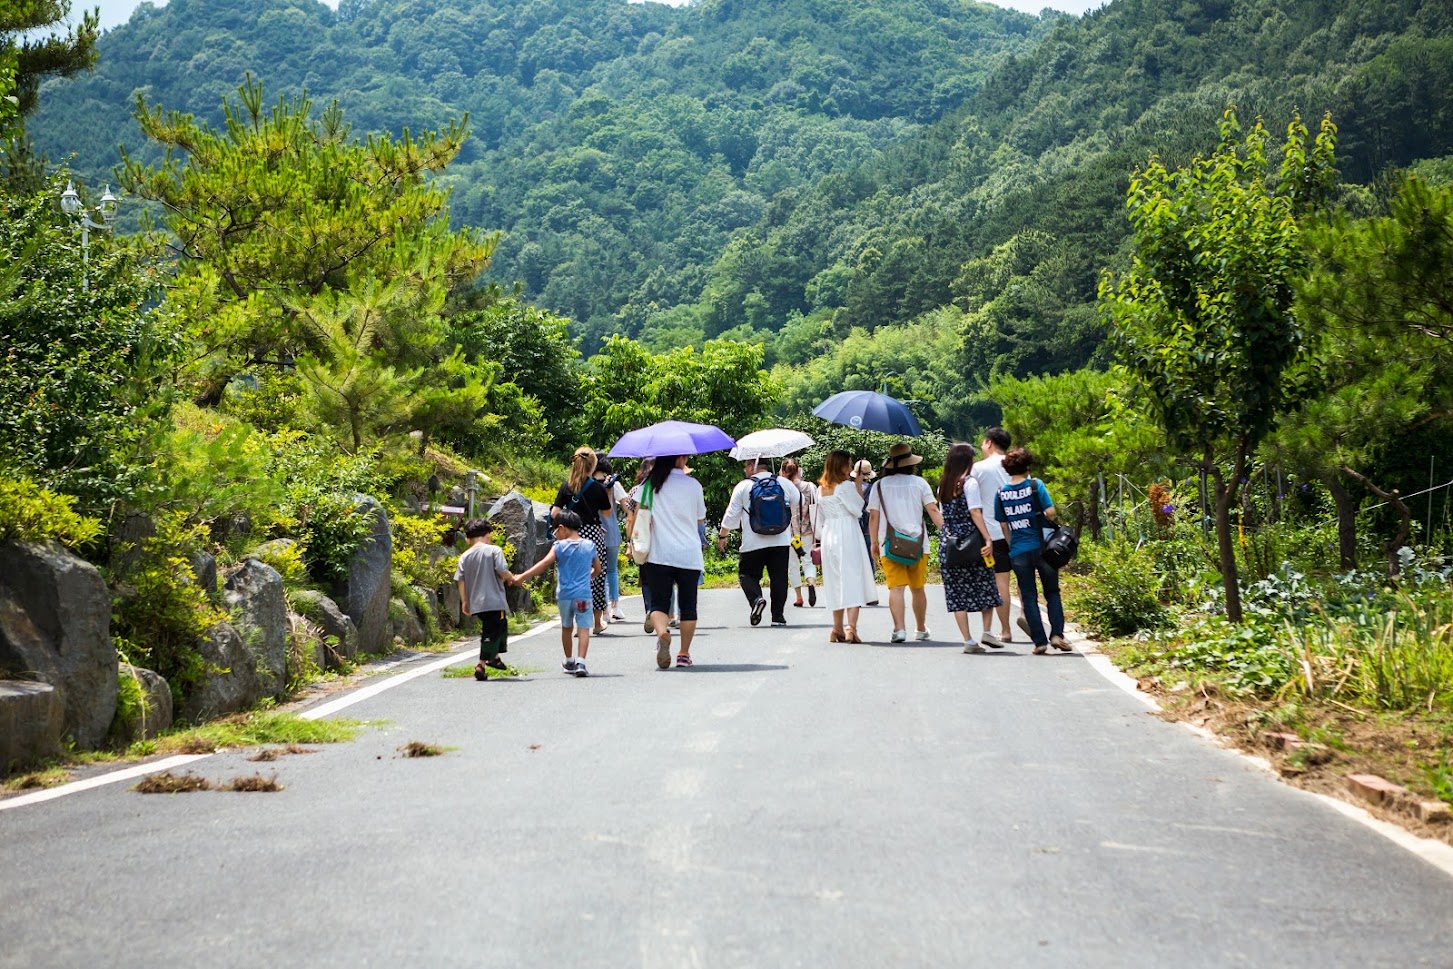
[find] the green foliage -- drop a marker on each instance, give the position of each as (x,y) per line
(81,363)
(160,611)
(1119,596)
(31,49)
(253,729)
(303,244)
(414,538)
(286,560)
(30,513)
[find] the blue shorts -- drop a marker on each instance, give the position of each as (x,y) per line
(576,612)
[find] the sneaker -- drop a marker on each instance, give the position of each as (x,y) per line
(992,641)
(1040,650)
(617,617)
(683,660)
(568,667)
(923,636)
(1058,642)
(663,653)
(758,607)
(972,647)
(779,622)
(1023,624)
(812,595)
(674,623)
(647,626)
(580,670)
(899,636)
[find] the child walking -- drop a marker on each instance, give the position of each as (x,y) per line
(576,564)
(482,574)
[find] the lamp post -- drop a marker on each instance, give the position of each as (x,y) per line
(106,208)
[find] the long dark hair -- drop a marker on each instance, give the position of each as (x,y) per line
(956,465)
(661,470)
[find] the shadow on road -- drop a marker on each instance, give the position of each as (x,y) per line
(735,668)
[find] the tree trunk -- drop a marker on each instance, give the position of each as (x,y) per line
(1095,509)
(1346,522)
(1226,492)
(1405,526)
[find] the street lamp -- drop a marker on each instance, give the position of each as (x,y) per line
(106,208)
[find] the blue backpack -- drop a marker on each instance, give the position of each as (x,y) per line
(767,511)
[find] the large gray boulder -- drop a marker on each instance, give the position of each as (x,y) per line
(55,626)
(450,607)
(406,625)
(324,613)
(155,714)
(254,594)
(230,683)
(31,721)
(204,567)
(518,521)
(364,592)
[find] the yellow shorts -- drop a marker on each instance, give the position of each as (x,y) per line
(897,574)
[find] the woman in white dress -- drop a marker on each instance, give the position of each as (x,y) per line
(847,575)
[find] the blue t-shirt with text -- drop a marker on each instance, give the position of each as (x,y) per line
(1016,509)
(573,557)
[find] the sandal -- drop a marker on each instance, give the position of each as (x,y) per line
(837,637)
(852,634)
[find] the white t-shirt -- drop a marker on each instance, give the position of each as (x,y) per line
(989,473)
(903,497)
(740,505)
(675,511)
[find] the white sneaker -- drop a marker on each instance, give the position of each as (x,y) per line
(972,647)
(923,636)
(992,641)
(899,636)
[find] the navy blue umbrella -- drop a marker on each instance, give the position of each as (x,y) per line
(868,410)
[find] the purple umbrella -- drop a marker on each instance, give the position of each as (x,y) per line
(671,437)
(868,410)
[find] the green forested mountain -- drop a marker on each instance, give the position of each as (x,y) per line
(792,172)
(619,146)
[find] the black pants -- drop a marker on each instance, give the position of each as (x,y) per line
(749,575)
(494,635)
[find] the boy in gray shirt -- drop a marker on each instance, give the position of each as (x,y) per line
(482,573)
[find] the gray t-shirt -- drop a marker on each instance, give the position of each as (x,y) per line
(479,567)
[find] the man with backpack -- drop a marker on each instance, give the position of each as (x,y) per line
(762,505)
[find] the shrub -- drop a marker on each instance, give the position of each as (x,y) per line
(30,513)
(415,537)
(1119,596)
(160,610)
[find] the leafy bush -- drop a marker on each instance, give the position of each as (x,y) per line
(30,513)
(414,537)
(160,611)
(1119,595)
(286,559)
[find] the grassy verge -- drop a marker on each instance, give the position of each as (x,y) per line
(241,730)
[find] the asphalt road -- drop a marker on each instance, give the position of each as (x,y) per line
(785,803)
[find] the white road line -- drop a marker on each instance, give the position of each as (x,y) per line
(313,713)
(1434,852)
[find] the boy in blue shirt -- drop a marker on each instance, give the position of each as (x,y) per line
(1019,505)
(576,563)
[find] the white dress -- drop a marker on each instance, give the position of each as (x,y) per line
(847,575)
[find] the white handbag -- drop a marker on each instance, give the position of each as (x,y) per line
(641,531)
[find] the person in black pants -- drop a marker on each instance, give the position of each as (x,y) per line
(760,551)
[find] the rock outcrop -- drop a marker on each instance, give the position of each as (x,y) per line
(31,721)
(324,613)
(230,683)
(155,714)
(363,594)
(254,594)
(55,627)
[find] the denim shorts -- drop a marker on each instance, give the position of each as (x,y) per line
(576,612)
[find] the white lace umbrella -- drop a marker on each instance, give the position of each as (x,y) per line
(775,442)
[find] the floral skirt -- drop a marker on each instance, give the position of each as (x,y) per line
(596,533)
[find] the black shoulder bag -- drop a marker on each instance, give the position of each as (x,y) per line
(1062,545)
